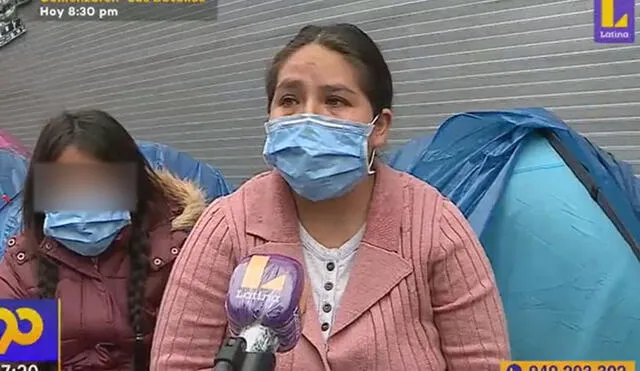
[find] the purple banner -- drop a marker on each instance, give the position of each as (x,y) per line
(614,21)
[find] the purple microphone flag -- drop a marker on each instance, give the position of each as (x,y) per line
(266,290)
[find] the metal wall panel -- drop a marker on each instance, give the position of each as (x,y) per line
(199,85)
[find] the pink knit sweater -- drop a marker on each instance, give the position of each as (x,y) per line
(421,295)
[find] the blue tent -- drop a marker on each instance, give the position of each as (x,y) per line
(162,156)
(13,169)
(559,219)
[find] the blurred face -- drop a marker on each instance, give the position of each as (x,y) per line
(77,181)
(320,81)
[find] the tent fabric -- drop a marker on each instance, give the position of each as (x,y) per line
(9,142)
(13,169)
(611,183)
(558,218)
(568,279)
(471,155)
(162,156)
(406,156)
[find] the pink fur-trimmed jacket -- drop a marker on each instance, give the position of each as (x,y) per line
(421,295)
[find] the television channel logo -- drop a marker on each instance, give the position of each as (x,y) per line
(252,278)
(29,330)
(614,21)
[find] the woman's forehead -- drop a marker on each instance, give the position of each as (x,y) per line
(72,155)
(315,65)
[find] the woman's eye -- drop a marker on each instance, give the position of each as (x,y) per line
(287,101)
(336,102)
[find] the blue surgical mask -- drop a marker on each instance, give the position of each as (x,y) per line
(320,157)
(87,233)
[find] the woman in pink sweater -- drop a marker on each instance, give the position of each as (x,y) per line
(396,278)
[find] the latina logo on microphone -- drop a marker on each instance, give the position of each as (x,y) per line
(253,289)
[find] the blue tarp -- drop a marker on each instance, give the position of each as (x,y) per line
(13,169)
(558,218)
(470,156)
(162,156)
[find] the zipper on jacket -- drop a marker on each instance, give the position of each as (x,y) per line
(95,264)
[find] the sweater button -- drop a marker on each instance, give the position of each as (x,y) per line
(21,256)
(331,266)
(326,308)
(325,327)
(328,286)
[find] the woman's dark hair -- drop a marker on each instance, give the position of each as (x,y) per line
(99,135)
(356,46)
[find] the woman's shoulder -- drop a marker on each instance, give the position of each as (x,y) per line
(188,203)
(415,189)
(257,183)
(425,203)
(257,189)
(231,212)
(19,259)
(19,249)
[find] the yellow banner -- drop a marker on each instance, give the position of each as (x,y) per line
(567,366)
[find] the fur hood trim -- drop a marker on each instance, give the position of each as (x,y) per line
(186,195)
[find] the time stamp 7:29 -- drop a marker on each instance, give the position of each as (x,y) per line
(68,12)
(16,366)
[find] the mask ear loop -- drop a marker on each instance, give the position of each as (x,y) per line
(370,169)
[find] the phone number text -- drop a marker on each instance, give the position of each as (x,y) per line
(568,366)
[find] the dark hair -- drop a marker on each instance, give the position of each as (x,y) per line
(356,46)
(98,134)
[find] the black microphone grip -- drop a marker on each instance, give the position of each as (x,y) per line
(224,366)
(262,361)
(231,355)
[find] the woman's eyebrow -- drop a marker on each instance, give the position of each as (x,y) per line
(337,88)
(289,84)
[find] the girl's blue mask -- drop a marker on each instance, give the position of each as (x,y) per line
(87,233)
(320,157)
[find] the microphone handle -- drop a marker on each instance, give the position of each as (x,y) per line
(259,361)
(224,366)
(230,356)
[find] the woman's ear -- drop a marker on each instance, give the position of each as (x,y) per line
(381,128)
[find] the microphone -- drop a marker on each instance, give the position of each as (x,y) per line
(263,308)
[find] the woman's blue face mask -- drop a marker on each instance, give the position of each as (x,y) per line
(320,157)
(87,233)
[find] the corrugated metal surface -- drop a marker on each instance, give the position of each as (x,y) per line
(199,85)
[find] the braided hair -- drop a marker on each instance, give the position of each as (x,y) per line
(100,136)
(138,257)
